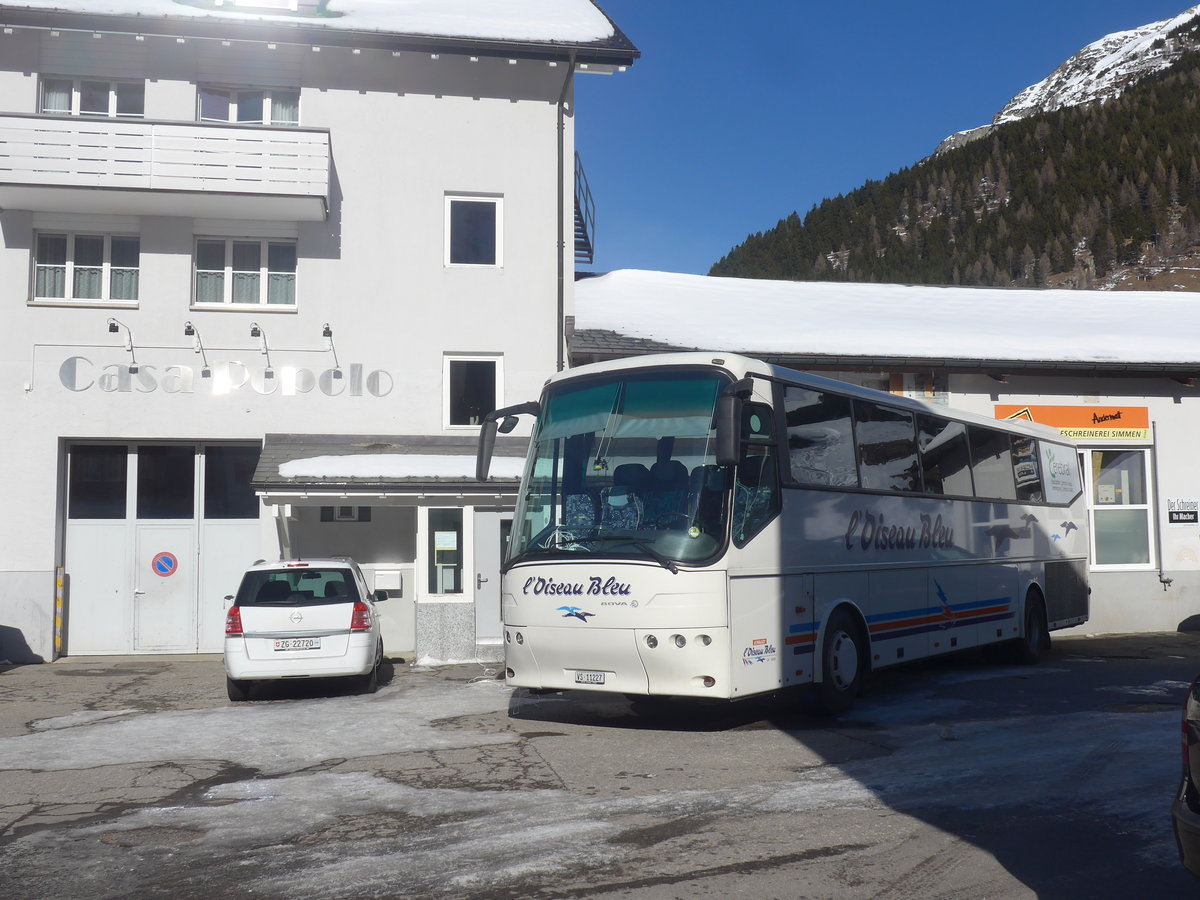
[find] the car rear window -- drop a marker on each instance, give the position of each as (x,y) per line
(297,587)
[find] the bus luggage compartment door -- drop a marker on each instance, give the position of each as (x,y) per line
(563,658)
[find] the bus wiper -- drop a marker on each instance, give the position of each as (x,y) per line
(642,545)
(663,561)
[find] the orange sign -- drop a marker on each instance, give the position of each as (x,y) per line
(1106,423)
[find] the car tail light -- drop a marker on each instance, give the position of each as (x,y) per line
(233,621)
(360,619)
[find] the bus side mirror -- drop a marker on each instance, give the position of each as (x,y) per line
(492,424)
(487,443)
(729,422)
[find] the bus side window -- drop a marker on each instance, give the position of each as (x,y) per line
(944,460)
(887,448)
(820,438)
(991,463)
(1025,469)
(756,498)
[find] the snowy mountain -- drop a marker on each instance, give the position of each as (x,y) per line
(1098,72)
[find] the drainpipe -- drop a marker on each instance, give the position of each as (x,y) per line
(1162,577)
(562,223)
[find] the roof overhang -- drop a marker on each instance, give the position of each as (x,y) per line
(158,202)
(321,467)
(598,345)
(616,52)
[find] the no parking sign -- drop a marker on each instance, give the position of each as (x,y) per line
(164,564)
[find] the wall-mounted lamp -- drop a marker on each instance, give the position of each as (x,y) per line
(327,333)
(192,331)
(113,328)
(257,331)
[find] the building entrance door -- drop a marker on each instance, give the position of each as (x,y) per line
(164,588)
(491,540)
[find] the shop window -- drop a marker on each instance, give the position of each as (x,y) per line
(1120,507)
(473,231)
(245,272)
(81,267)
(166,481)
(445,551)
(472,389)
(228,471)
(80,97)
(96,481)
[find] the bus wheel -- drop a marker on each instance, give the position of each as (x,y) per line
(843,661)
(1035,642)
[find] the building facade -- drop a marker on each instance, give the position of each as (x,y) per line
(264,265)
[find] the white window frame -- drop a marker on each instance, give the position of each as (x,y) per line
(282,5)
(448,360)
(234,95)
(498,202)
(1147,508)
(77,93)
(106,268)
(264,273)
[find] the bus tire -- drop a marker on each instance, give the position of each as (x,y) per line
(1034,642)
(843,664)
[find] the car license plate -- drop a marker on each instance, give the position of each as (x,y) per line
(298,644)
(589,678)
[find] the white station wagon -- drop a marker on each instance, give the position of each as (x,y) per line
(311,618)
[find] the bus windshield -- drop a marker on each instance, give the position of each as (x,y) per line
(624,466)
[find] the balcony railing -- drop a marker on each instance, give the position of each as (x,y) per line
(56,164)
(585,216)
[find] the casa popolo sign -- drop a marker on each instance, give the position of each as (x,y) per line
(1089,423)
(79,374)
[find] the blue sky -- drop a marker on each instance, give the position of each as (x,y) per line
(739,113)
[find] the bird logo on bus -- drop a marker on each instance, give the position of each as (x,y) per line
(574,612)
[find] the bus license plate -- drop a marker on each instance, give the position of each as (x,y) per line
(589,678)
(298,644)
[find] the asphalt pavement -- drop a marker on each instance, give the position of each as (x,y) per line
(134,776)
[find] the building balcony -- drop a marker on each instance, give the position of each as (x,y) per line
(152,168)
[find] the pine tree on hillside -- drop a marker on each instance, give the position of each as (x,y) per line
(1071,194)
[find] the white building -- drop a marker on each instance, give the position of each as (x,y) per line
(263,265)
(1115,371)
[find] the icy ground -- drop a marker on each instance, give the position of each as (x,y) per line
(320,797)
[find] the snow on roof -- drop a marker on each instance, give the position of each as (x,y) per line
(759,317)
(396,465)
(554,21)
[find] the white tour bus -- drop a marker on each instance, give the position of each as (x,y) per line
(713,526)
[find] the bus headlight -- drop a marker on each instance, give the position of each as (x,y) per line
(651,641)
(520,638)
(705,640)
(680,641)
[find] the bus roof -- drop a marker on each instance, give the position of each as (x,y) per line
(739,366)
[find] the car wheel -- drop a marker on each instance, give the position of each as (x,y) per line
(370,681)
(237,690)
(843,664)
